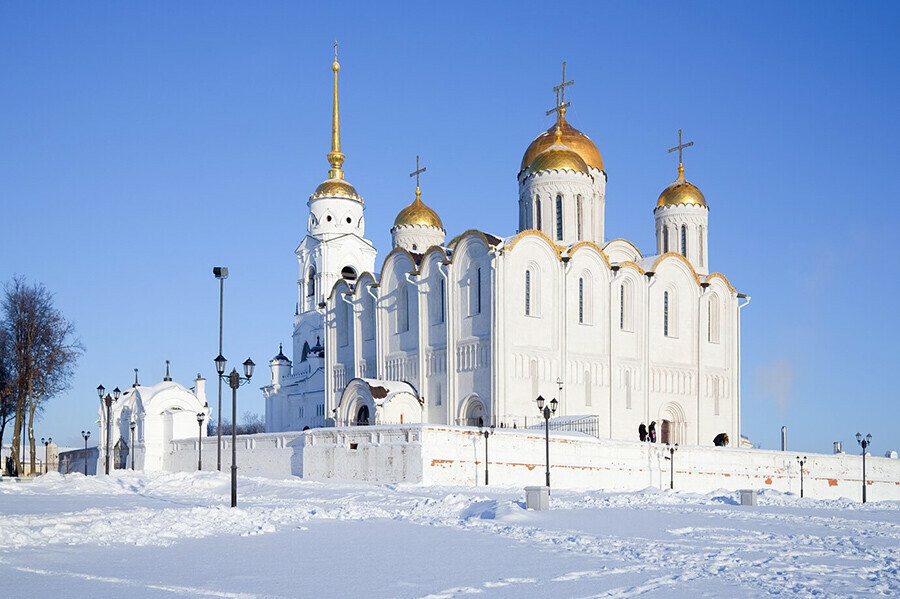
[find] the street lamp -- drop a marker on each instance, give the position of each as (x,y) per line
(108,401)
(86,435)
(864,443)
(200,417)
(671,457)
(46,443)
(487,433)
(221,273)
(546,412)
(802,462)
(132,426)
(234,381)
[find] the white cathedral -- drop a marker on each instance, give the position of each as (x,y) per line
(469,332)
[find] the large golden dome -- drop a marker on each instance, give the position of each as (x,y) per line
(418,213)
(557,157)
(681,193)
(571,137)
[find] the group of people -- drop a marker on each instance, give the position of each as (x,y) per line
(647,434)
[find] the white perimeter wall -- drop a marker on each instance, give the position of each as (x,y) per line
(438,455)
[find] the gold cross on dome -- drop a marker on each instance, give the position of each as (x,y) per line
(680,147)
(417,172)
(560,90)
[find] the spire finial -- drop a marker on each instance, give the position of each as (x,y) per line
(416,174)
(135,377)
(168,378)
(335,157)
(680,147)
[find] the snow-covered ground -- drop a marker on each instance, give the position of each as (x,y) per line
(168,535)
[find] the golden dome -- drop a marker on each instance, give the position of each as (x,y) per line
(571,137)
(418,213)
(681,193)
(557,157)
(336,188)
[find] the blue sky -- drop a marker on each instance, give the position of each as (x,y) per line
(144,144)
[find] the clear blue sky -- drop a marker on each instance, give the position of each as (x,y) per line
(142,144)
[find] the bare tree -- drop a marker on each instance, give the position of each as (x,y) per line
(7,395)
(43,351)
(253,423)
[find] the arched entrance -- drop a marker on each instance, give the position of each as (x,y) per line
(120,454)
(473,412)
(672,424)
(362,416)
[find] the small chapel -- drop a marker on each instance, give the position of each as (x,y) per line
(470,331)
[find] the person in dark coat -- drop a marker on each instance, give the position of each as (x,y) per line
(652,432)
(642,432)
(721,440)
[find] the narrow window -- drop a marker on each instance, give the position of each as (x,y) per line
(539,219)
(580,215)
(666,313)
(684,240)
(713,325)
(403,309)
(527,293)
(580,301)
(587,387)
(478,293)
(311,282)
(559,218)
(700,241)
(622,307)
(665,239)
(343,325)
(442,305)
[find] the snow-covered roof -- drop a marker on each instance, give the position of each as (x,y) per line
(383,391)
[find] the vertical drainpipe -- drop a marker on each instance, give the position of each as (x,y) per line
(563,334)
(647,334)
(498,362)
(611,322)
(703,287)
(736,386)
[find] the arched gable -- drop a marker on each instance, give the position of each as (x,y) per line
(712,278)
(586,247)
(672,259)
(532,234)
(622,250)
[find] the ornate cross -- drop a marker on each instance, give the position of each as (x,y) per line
(335,50)
(417,172)
(680,147)
(560,90)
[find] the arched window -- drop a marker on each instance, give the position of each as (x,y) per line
(625,307)
(559,218)
(527,293)
(684,240)
(713,325)
(666,313)
(403,308)
(441,302)
(580,216)
(311,282)
(348,273)
(537,210)
(580,301)
(665,239)
(587,387)
(475,292)
(700,243)
(343,324)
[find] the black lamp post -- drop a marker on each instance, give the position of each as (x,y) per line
(200,417)
(234,381)
(864,443)
(671,457)
(86,435)
(547,412)
(132,426)
(802,462)
(221,273)
(46,443)
(487,433)
(108,401)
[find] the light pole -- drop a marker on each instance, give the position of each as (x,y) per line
(46,443)
(234,381)
(108,401)
(802,462)
(546,412)
(671,457)
(864,443)
(86,435)
(200,417)
(221,273)
(487,433)
(132,426)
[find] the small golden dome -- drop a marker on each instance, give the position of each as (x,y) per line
(681,193)
(418,213)
(557,157)
(571,137)
(336,188)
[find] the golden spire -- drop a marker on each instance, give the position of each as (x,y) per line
(680,147)
(335,157)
